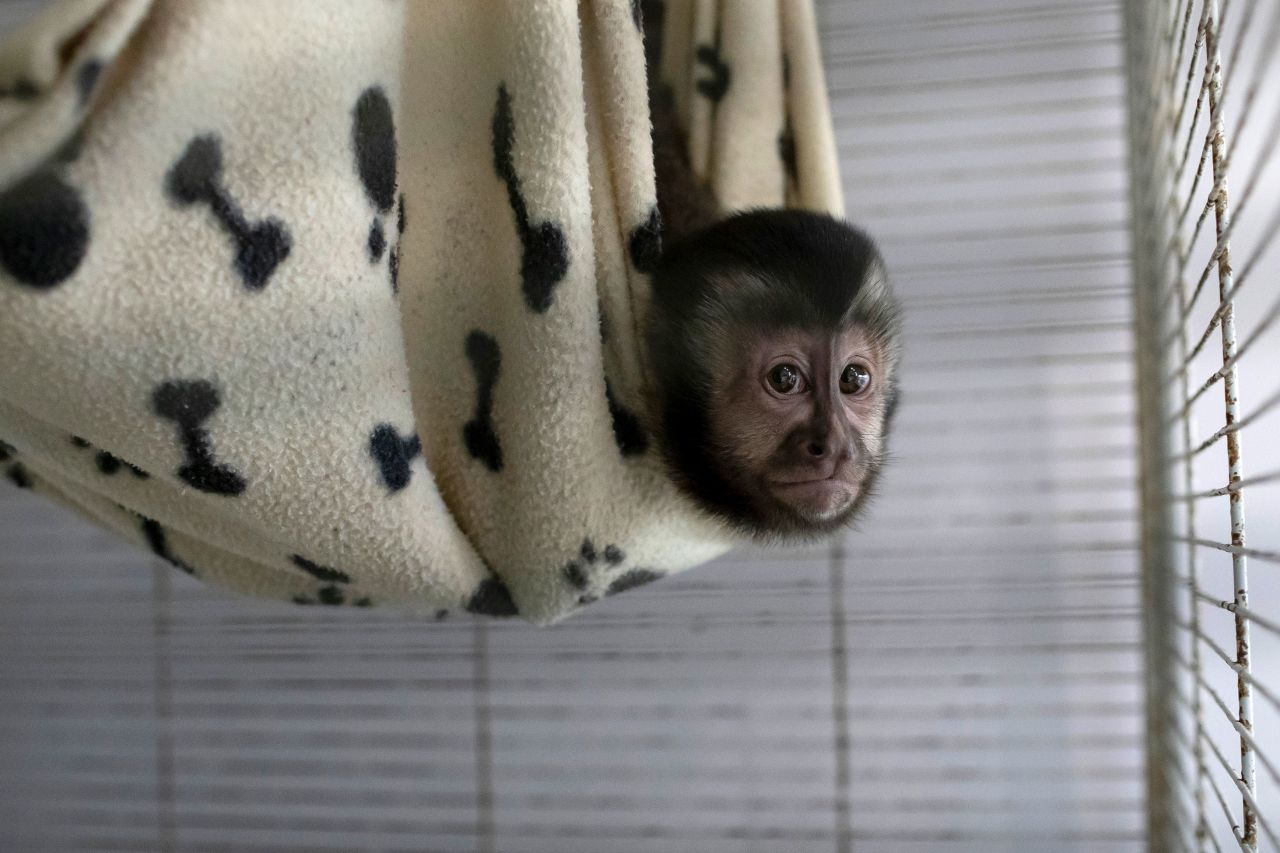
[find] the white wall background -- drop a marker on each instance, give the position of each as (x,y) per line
(962,675)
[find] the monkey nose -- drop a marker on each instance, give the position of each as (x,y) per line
(817,449)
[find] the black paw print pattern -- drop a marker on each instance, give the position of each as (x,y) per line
(15,472)
(44,229)
(491,598)
(633,578)
(478,433)
(393,454)
(197,177)
(545,259)
(158,542)
(715,86)
(645,245)
(20,90)
(373,139)
(44,223)
(579,571)
(628,434)
(334,592)
(189,403)
(70,150)
(393,263)
(87,78)
(787,138)
(109,464)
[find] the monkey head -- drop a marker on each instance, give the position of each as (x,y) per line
(773,339)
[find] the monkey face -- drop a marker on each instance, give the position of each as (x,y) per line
(773,338)
(797,425)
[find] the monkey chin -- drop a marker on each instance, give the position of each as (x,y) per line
(778,522)
(817,501)
(804,513)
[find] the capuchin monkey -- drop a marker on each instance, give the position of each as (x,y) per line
(773,343)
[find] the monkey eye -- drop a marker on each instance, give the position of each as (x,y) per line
(854,379)
(784,378)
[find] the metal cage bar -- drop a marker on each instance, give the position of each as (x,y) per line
(1201,71)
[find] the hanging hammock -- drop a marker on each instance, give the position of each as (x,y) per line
(340,302)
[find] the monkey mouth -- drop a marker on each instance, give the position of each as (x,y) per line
(800,481)
(801,476)
(821,494)
(816,492)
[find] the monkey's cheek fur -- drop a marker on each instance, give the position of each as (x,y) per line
(817,500)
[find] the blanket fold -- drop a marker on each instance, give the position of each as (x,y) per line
(342,302)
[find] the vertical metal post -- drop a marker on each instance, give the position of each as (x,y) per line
(1239,565)
(1151,186)
(485,824)
(840,701)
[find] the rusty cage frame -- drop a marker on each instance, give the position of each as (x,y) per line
(1203,106)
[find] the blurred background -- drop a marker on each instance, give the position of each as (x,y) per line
(963,673)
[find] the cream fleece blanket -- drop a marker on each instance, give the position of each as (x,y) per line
(340,301)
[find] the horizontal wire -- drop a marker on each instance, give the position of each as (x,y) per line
(1227,77)
(1243,733)
(1096,487)
(1268,319)
(986,298)
(996,332)
(1177,170)
(1265,56)
(1097,391)
(991,522)
(1116,289)
(1259,480)
(1004,232)
(1266,406)
(1185,17)
(1002,203)
(949,20)
(1272,227)
(1040,108)
(1245,675)
(1236,132)
(1055,263)
(1202,736)
(972,84)
(1192,65)
(935,428)
(1226,811)
(1256,553)
(858,149)
(1245,612)
(1269,235)
(1243,789)
(904,178)
(985,49)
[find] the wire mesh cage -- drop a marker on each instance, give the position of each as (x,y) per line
(1043,638)
(1205,127)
